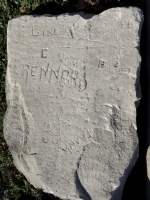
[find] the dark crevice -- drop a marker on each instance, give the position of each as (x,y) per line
(83,194)
(135,187)
(116,193)
(71,6)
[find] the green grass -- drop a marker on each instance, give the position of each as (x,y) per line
(11,180)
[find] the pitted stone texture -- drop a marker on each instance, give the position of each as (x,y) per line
(72,88)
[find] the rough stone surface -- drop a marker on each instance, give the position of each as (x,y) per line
(72,89)
(148,162)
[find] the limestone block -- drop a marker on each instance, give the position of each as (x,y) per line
(72,88)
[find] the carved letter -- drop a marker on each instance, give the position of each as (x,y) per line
(33,70)
(56,32)
(83,137)
(55,141)
(65,76)
(83,83)
(26,67)
(44,52)
(71,144)
(66,148)
(55,72)
(34,33)
(74,76)
(89,133)
(44,70)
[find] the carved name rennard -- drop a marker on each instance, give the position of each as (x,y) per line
(49,74)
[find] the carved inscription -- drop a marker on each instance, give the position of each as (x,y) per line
(126,24)
(61,76)
(45,139)
(37,31)
(73,143)
(25,73)
(74,44)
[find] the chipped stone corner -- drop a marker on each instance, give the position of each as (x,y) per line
(98,171)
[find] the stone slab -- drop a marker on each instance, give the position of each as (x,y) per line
(72,89)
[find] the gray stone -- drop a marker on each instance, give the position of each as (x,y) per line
(72,89)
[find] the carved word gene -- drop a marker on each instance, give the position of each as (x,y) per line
(37,31)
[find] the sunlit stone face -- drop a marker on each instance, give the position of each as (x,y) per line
(72,84)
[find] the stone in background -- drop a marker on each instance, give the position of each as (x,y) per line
(72,90)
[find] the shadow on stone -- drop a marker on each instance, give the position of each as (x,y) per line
(68,7)
(135,186)
(116,193)
(81,190)
(27,197)
(86,6)
(49,197)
